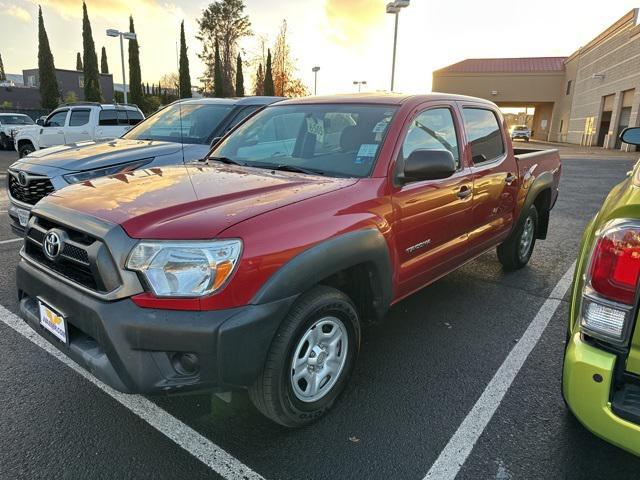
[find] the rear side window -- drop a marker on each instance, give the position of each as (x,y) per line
(484,134)
(108,118)
(79,117)
(135,117)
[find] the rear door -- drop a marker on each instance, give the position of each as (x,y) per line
(52,132)
(432,216)
(78,126)
(494,169)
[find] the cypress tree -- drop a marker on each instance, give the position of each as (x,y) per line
(239,78)
(269,89)
(3,76)
(183,71)
(79,63)
(104,66)
(259,85)
(135,77)
(49,94)
(218,81)
(92,91)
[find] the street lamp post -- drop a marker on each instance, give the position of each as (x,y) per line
(129,36)
(394,8)
(315,71)
(359,83)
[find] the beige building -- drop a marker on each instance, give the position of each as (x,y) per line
(587,98)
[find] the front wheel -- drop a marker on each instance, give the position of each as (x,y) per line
(310,360)
(4,142)
(515,252)
(25,149)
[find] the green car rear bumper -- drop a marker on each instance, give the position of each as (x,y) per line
(589,399)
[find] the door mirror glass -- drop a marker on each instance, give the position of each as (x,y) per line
(40,122)
(631,136)
(424,164)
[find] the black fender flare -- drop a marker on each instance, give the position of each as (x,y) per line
(367,246)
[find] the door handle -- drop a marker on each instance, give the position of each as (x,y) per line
(464,192)
(510,179)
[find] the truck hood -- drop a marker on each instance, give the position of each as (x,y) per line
(191,202)
(92,155)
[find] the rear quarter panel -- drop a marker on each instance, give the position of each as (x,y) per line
(534,165)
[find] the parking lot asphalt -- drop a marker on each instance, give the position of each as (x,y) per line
(420,373)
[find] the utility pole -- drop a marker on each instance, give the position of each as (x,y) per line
(394,8)
(129,36)
(315,81)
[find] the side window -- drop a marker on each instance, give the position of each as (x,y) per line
(244,113)
(108,118)
(122,117)
(484,134)
(56,119)
(135,117)
(432,130)
(79,117)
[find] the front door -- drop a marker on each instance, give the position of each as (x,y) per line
(52,132)
(495,181)
(432,216)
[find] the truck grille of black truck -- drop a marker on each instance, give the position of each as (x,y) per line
(83,259)
(35,189)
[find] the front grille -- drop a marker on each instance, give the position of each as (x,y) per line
(78,260)
(35,189)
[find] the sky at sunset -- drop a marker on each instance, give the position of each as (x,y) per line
(349,39)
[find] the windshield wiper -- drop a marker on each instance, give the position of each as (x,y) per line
(227,160)
(289,168)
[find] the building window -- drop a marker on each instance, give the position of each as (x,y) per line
(561,125)
(568,87)
(81,81)
(31,81)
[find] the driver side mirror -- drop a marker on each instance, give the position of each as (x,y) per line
(40,122)
(424,164)
(215,141)
(631,136)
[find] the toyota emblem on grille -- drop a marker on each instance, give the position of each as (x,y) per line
(52,245)
(23,180)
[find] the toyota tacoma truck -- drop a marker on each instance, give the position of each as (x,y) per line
(258,268)
(10,123)
(181,132)
(601,374)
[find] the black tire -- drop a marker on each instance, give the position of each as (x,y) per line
(4,142)
(25,149)
(510,252)
(526,140)
(273,393)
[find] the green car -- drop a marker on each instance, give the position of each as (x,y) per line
(601,373)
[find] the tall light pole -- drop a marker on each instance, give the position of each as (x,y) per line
(394,8)
(112,32)
(359,83)
(315,71)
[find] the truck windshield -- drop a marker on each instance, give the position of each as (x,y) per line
(187,123)
(330,139)
(15,120)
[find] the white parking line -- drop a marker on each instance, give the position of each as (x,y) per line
(13,240)
(184,436)
(455,454)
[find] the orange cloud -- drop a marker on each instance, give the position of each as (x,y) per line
(16,12)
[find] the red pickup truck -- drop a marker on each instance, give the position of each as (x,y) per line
(257,267)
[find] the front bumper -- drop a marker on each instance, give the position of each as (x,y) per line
(134,350)
(14,221)
(589,400)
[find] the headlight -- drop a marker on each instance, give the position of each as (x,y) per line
(103,172)
(185,268)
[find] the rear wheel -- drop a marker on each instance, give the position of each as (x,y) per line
(310,360)
(25,149)
(516,250)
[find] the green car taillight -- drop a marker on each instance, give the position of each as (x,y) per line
(611,281)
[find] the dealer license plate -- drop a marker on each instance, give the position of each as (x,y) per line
(52,321)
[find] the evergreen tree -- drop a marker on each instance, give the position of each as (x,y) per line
(239,78)
(183,71)
(218,80)
(3,76)
(135,77)
(269,89)
(104,66)
(92,91)
(258,88)
(79,63)
(49,94)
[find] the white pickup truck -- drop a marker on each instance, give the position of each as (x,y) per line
(78,122)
